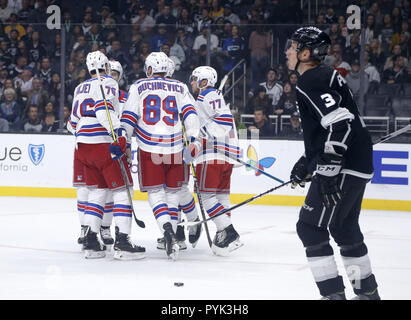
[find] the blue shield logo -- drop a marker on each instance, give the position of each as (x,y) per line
(36,153)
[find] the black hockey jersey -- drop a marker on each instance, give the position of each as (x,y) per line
(331,121)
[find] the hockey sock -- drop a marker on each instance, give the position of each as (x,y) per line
(224,199)
(324,268)
(122,210)
(213,207)
(93,213)
(157,199)
(172,198)
(187,204)
(108,210)
(82,196)
(358,267)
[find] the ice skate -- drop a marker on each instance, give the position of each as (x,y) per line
(161,245)
(335,296)
(171,246)
(194,233)
(93,248)
(368,296)
(80,239)
(181,237)
(106,237)
(226,241)
(125,250)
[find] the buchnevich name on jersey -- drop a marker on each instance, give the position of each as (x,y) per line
(159,85)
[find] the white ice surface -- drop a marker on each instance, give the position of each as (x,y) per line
(40,257)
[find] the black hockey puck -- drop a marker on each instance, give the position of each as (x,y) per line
(178,284)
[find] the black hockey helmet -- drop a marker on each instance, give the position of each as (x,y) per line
(314,39)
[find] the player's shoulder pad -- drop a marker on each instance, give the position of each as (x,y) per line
(108,79)
(209,94)
(319,77)
(80,84)
(139,80)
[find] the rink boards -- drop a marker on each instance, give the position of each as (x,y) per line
(41,166)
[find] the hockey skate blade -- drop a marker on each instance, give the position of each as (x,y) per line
(126,256)
(182,245)
(225,252)
(90,254)
(193,244)
(174,252)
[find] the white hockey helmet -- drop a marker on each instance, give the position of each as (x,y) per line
(171,68)
(97,60)
(116,66)
(204,73)
(158,61)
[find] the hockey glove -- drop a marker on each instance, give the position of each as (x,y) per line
(117,149)
(327,171)
(191,151)
(299,173)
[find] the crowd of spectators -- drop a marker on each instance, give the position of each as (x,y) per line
(128,30)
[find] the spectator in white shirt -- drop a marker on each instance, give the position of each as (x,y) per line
(370,70)
(5,11)
(230,15)
(202,39)
(24,82)
(15,5)
(273,89)
(145,22)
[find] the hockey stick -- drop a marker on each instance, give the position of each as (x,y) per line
(140,223)
(393,134)
(222,83)
(248,165)
(193,223)
(197,189)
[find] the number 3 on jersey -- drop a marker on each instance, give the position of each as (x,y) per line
(329,100)
(153,107)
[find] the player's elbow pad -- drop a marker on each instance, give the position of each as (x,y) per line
(192,126)
(70,128)
(336,116)
(338,138)
(216,131)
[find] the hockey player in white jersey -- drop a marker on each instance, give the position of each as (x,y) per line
(99,154)
(152,110)
(186,203)
(116,72)
(213,169)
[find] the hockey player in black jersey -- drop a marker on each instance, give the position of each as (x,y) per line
(338,157)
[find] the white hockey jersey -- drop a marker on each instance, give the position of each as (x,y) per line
(152,110)
(88,120)
(217,128)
